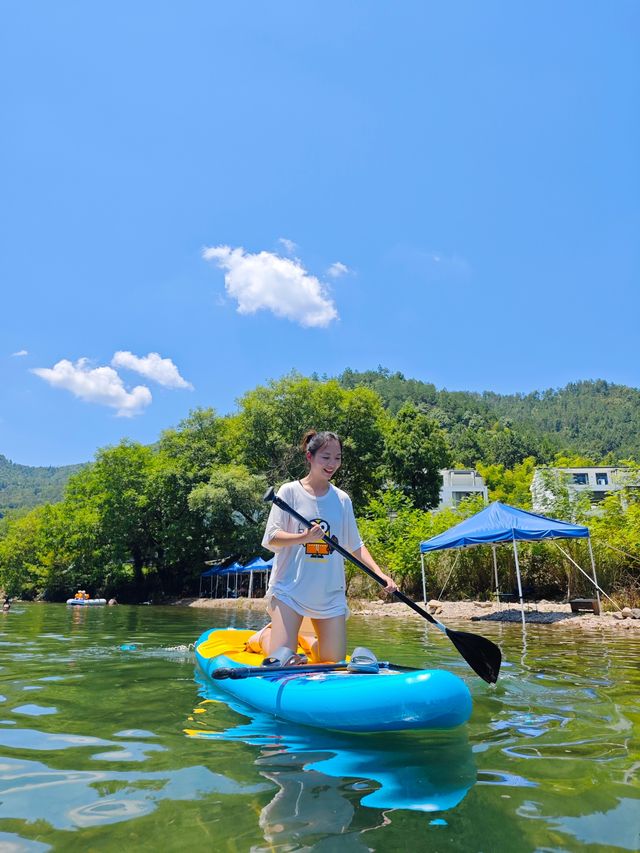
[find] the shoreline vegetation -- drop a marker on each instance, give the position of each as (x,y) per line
(143,522)
(541,612)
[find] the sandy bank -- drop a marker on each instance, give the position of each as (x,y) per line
(544,612)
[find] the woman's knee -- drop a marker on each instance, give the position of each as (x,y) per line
(285,624)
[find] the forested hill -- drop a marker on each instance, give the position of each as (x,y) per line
(23,486)
(595,419)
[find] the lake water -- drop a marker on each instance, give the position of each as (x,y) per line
(108,741)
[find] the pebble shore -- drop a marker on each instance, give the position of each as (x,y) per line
(542,612)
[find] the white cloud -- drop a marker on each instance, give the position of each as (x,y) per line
(338,269)
(276,284)
(20,353)
(100,385)
(289,246)
(152,366)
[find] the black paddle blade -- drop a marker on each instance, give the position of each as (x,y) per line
(483,656)
(269,495)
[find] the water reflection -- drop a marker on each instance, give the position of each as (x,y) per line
(10,842)
(68,799)
(323,777)
(554,743)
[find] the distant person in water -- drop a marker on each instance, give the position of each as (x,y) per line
(7,603)
(111,602)
(308,577)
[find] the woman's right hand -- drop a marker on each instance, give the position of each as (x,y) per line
(313,534)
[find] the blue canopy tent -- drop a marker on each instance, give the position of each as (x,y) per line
(257,565)
(499,523)
(227,572)
(215,572)
(208,573)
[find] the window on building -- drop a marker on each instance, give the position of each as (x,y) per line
(459,496)
(580,479)
(602,479)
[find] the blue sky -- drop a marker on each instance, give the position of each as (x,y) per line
(241,188)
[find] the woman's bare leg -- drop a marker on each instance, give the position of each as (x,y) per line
(259,642)
(308,639)
(332,638)
(285,624)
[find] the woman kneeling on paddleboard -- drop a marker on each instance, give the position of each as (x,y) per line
(308,578)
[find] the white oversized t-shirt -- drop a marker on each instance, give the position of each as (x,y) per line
(308,578)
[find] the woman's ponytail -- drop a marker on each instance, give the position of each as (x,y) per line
(312,440)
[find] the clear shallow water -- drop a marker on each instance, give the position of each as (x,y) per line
(105,748)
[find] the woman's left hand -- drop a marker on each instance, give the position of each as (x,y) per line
(391,586)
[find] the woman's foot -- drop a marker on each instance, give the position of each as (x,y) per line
(284,657)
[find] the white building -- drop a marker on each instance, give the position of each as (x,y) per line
(460,483)
(597,481)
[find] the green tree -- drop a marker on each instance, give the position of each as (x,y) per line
(416,449)
(197,442)
(469,441)
(559,501)
(178,536)
(272,420)
(510,486)
(393,529)
(71,554)
(117,486)
(21,572)
(572,460)
(233,512)
(507,446)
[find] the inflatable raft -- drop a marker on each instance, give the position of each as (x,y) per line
(390,700)
(84,602)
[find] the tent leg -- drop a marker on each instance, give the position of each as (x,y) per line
(515,551)
(200,590)
(593,570)
(424,585)
(495,572)
(250,594)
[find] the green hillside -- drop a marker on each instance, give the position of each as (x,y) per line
(595,419)
(24,486)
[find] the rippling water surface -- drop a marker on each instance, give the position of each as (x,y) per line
(109,741)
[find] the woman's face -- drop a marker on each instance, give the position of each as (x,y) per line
(326,460)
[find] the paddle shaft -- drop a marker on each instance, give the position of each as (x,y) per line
(253,671)
(349,556)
